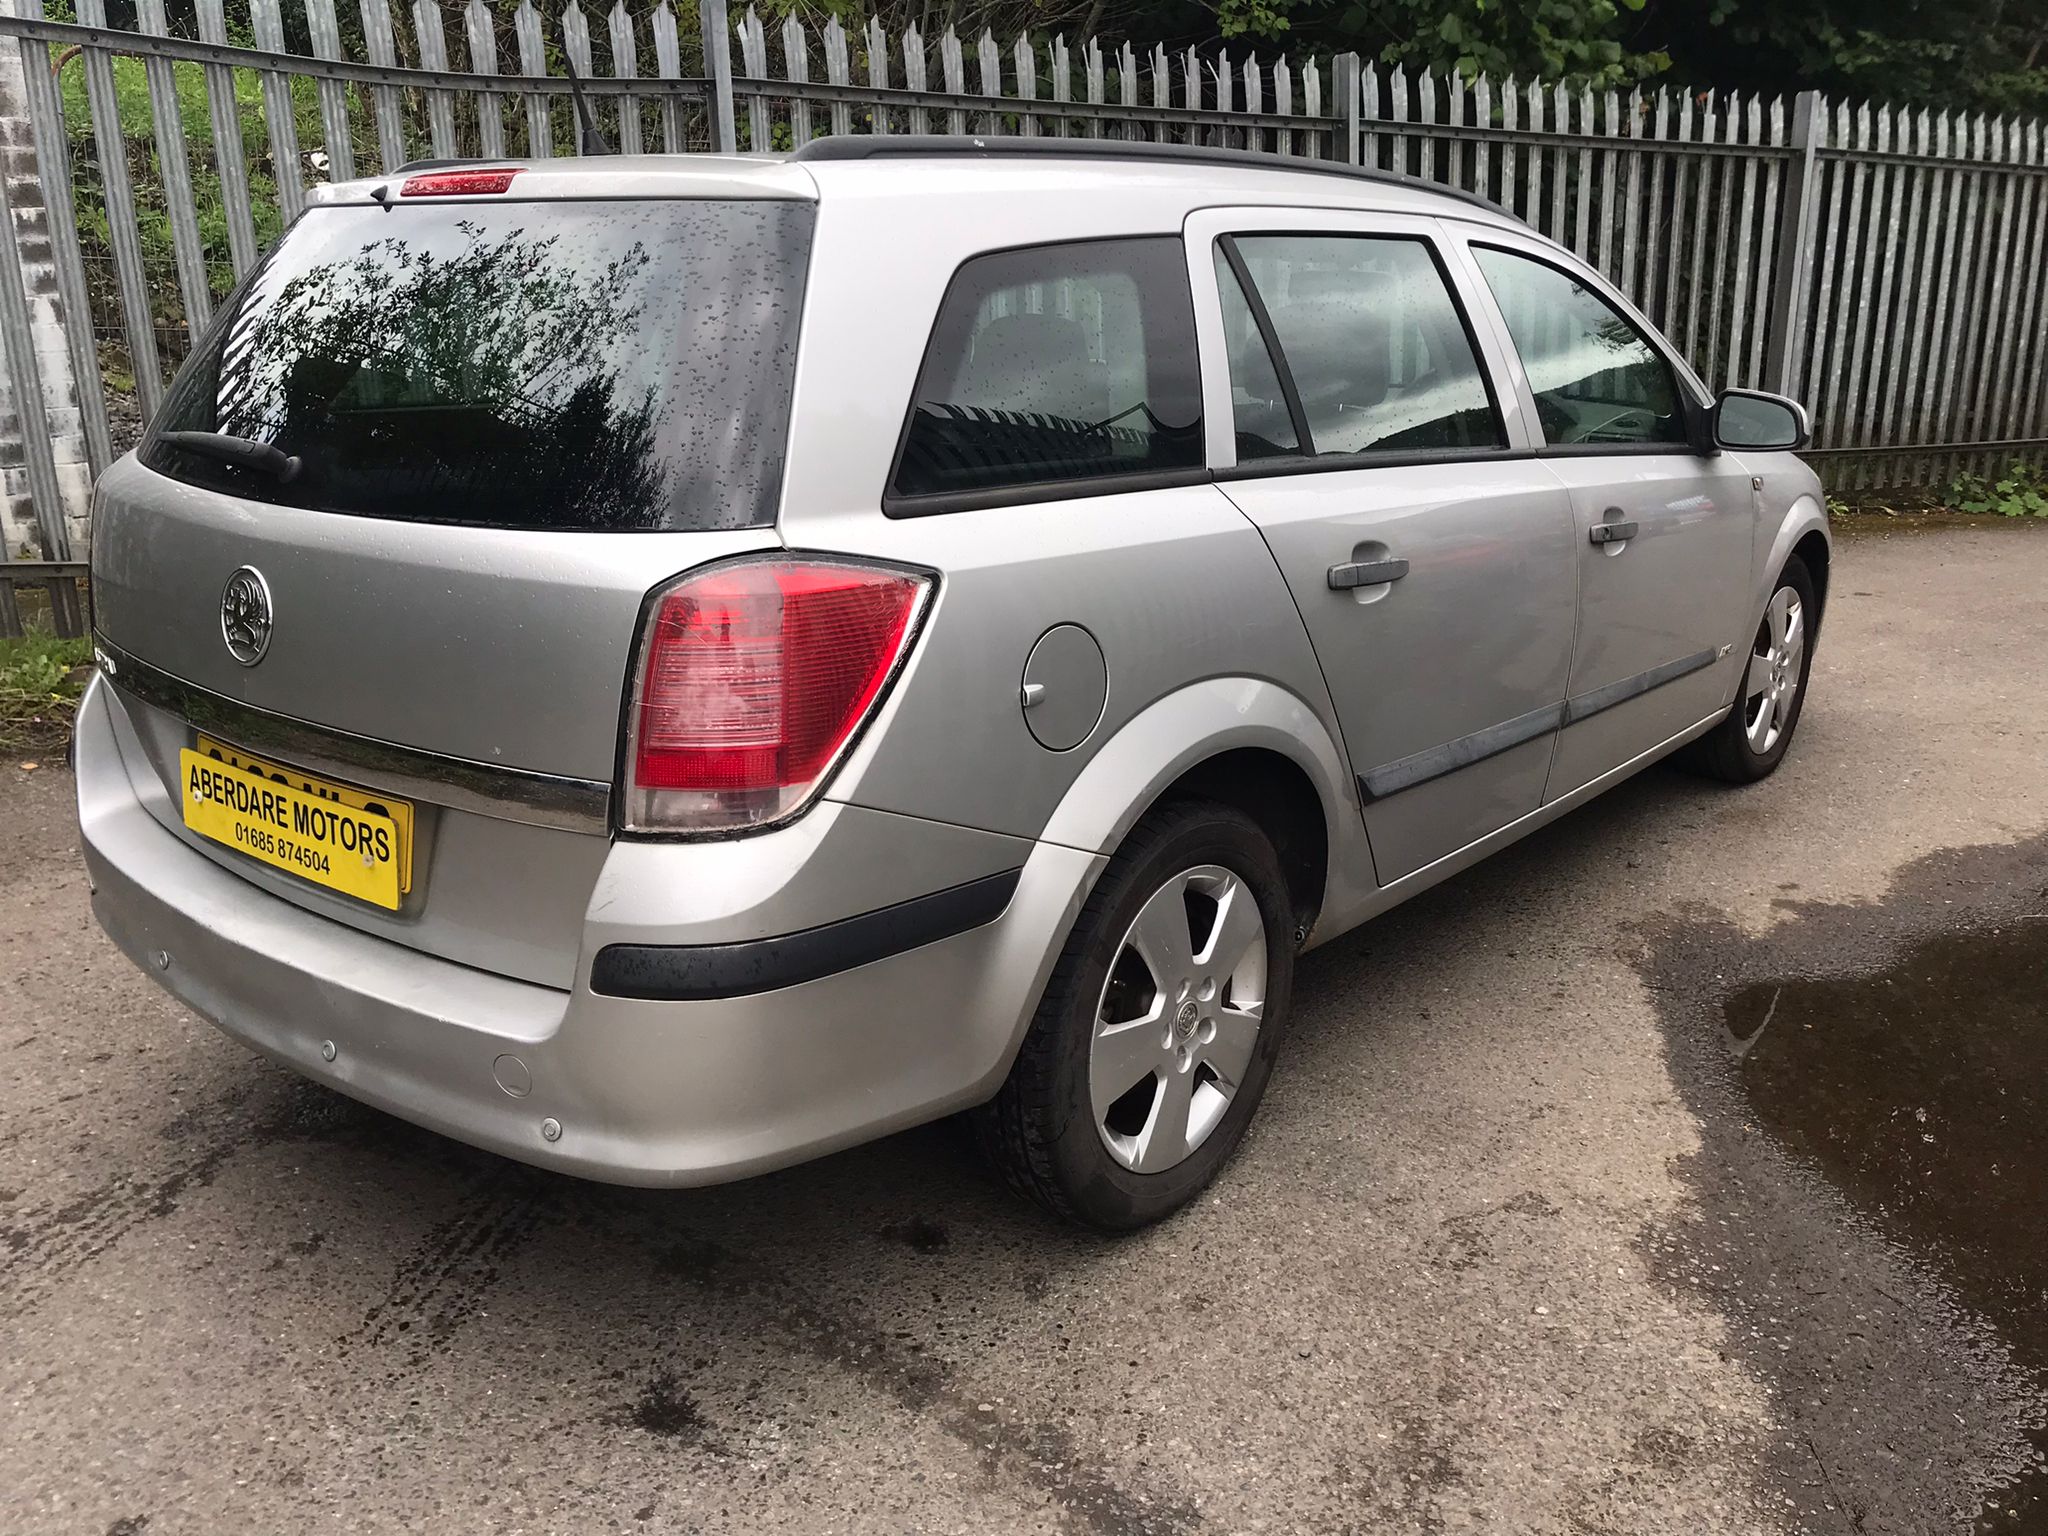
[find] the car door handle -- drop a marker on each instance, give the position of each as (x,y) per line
(1612,531)
(1366,573)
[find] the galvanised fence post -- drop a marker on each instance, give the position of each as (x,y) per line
(717,32)
(1787,344)
(1344,77)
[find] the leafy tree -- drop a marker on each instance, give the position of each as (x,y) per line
(1984,55)
(1581,40)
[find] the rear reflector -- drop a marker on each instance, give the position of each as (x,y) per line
(753,678)
(458,183)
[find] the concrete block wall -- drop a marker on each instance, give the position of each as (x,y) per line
(31,235)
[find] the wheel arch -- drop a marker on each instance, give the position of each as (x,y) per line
(1815,552)
(1271,789)
(1245,742)
(1803,532)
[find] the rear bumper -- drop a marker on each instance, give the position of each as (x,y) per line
(643,1091)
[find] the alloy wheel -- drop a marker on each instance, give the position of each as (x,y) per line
(1178,1019)
(1776,665)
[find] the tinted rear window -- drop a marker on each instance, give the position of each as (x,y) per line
(1056,363)
(586,365)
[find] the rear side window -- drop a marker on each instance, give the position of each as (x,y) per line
(1377,353)
(564,365)
(1596,378)
(1058,363)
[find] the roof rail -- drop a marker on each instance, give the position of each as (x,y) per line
(936,145)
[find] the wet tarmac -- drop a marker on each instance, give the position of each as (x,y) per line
(1922,1091)
(1898,1052)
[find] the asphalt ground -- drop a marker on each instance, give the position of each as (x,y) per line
(1539,1230)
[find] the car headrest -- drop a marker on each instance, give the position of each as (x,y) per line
(1030,363)
(1337,347)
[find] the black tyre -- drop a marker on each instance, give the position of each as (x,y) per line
(1752,740)
(1158,1028)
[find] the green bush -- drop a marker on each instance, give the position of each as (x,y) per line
(195,121)
(2022,491)
(152,213)
(41,679)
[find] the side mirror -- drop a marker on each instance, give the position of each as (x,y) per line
(1748,418)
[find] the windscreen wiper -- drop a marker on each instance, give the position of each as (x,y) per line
(242,452)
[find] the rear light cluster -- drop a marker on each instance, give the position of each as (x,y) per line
(753,678)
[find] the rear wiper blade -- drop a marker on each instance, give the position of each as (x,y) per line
(243,452)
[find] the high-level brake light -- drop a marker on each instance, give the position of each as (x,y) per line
(459,183)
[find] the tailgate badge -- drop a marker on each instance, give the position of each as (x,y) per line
(245,615)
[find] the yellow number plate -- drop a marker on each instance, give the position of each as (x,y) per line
(341,838)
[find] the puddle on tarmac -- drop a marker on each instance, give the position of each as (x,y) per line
(1921,1092)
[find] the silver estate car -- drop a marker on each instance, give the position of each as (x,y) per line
(665,667)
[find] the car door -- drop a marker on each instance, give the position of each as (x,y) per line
(1664,532)
(1357,424)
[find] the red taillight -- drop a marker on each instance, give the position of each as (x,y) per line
(458,183)
(753,677)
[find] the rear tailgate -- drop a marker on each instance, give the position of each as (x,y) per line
(507,422)
(500,647)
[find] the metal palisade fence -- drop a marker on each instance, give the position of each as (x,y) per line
(1887,265)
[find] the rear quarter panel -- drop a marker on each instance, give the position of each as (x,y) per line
(1175,586)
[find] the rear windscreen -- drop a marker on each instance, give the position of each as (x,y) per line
(575,365)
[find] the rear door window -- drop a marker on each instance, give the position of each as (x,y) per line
(571,365)
(1373,345)
(1375,349)
(1057,364)
(1261,412)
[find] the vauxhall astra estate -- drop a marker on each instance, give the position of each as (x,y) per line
(665,667)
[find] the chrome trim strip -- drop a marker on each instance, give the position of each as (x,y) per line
(1435,762)
(1591,702)
(509,794)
